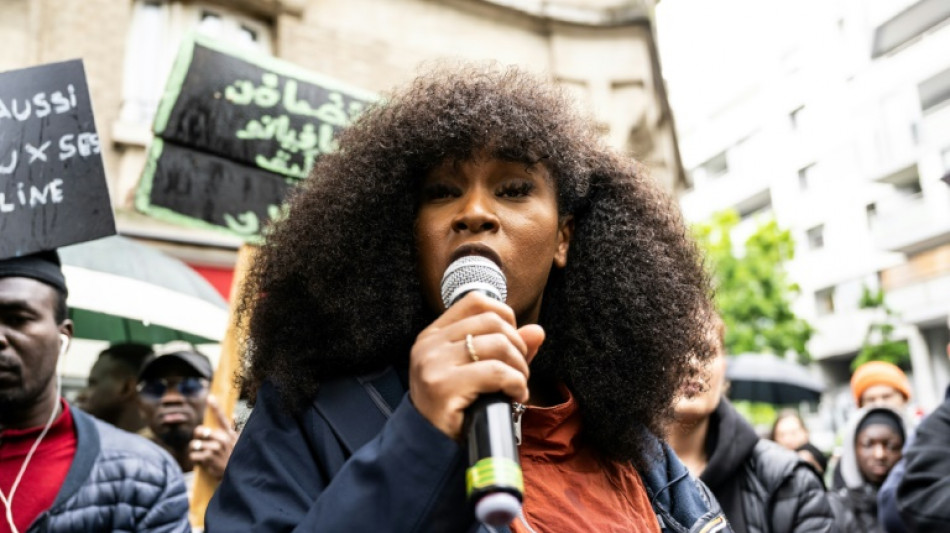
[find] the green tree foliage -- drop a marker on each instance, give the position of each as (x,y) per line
(753,292)
(879,344)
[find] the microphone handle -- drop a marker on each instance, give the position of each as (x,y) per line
(493,481)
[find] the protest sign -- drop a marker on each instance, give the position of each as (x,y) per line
(53,189)
(234,133)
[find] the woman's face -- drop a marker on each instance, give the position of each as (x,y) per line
(790,433)
(878,448)
(699,397)
(498,209)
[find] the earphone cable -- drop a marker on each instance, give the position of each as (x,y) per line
(8,500)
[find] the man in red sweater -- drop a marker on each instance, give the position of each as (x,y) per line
(60,470)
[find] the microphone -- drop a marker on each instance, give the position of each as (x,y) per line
(493,481)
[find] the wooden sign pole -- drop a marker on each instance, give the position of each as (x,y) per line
(223,386)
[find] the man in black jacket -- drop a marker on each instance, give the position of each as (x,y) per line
(760,485)
(923,496)
(60,469)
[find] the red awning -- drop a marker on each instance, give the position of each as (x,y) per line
(220,277)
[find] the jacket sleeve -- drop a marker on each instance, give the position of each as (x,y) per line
(923,497)
(289,473)
(801,503)
(169,512)
(887,512)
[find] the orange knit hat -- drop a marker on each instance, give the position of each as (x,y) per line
(878,373)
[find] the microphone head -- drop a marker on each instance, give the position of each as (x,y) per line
(473,273)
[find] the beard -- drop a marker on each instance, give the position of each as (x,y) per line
(176,437)
(18,399)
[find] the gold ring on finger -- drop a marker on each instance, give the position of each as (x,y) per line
(470,347)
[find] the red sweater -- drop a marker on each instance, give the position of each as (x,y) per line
(567,487)
(45,473)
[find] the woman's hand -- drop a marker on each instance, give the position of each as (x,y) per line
(444,378)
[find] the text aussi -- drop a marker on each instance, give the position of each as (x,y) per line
(40,105)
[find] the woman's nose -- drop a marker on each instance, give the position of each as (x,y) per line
(476,213)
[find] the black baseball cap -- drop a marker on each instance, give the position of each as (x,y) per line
(41,266)
(197,361)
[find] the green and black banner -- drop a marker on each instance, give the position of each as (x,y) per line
(234,132)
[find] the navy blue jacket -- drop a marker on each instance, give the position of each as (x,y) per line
(923,495)
(350,462)
(117,482)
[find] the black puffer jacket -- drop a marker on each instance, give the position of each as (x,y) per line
(762,487)
(117,482)
(924,493)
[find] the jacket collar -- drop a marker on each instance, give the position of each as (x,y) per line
(356,408)
(87,450)
(729,442)
(676,496)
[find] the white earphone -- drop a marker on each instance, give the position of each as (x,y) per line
(64,344)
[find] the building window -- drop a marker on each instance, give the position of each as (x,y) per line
(920,17)
(796,116)
(716,167)
(805,177)
(825,301)
(945,159)
(908,188)
(870,212)
(757,205)
(816,237)
(157,29)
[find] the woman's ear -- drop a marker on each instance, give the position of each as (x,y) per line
(564,233)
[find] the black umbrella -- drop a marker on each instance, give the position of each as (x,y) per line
(771,379)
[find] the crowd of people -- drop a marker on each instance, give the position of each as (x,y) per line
(361,375)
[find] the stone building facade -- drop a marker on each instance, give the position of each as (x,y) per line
(602,50)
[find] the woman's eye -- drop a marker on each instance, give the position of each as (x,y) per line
(516,190)
(439,191)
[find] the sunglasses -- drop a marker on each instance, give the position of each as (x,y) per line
(153,389)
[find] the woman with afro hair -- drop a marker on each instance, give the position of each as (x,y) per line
(360,377)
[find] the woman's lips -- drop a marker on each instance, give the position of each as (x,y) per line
(692,389)
(475,248)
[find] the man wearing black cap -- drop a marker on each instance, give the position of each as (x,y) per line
(60,469)
(173,391)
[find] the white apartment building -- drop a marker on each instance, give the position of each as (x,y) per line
(833,116)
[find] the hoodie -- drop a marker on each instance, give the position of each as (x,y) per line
(761,486)
(729,443)
(858,497)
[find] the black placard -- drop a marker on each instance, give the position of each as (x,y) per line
(265,115)
(53,189)
(188,186)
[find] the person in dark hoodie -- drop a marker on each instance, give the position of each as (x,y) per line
(873,440)
(761,486)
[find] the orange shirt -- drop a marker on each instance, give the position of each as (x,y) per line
(567,488)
